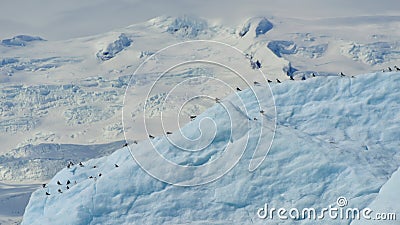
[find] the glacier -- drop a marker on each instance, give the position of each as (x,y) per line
(335,136)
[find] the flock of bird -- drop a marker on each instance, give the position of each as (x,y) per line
(256,65)
(68,183)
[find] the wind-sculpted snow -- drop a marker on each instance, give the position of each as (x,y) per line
(281,48)
(373,53)
(255,27)
(43,161)
(11,65)
(263,27)
(20,40)
(114,48)
(187,26)
(81,102)
(336,136)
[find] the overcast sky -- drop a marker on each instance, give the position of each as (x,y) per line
(55,19)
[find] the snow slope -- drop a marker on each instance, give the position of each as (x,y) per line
(387,200)
(335,136)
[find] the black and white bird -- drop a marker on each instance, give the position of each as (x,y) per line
(313,75)
(151,136)
(81,164)
(43,185)
(256,83)
(269,81)
(135,142)
(116,165)
(68,182)
(47,193)
(262,111)
(258,64)
(397,68)
(277,80)
(168,132)
(192,117)
(100,174)
(67,188)
(125,145)
(59,191)
(390,69)
(238,89)
(342,74)
(59,183)
(291,78)
(217,100)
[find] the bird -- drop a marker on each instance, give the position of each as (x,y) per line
(135,142)
(262,111)
(390,69)
(269,81)
(256,83)
(277,80)
(68,182)
(169,132)
(94,166)
(313,75)
(116,165)
(47,193)
(67,188)
(291,78)
(58,182)
(342,74)
(258,64)
(151,136)
(43,185)
(90,177)
(125,145)
(100,174)
(397,68)
(217,100)
(192,117)
(254,118)
(303,78)
(80,164)
(238,89)
(69,166)
(59,191)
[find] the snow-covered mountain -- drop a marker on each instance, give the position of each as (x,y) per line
(59,96)
(335,136)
